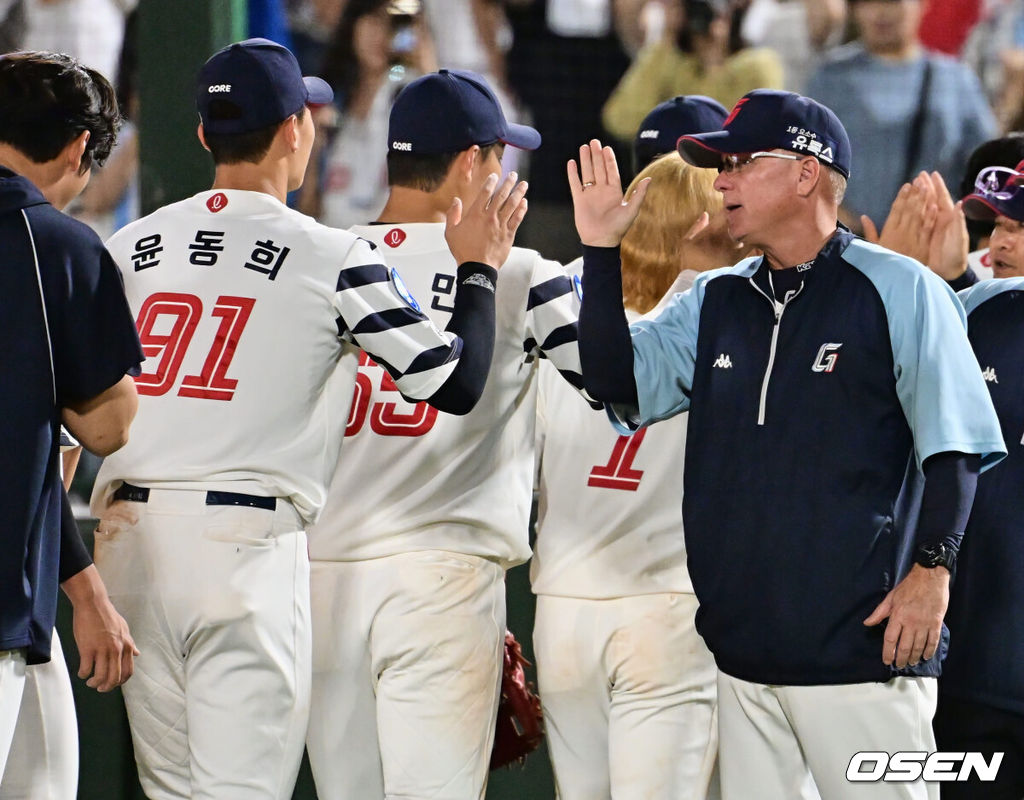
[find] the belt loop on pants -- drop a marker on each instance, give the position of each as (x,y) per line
(140,494)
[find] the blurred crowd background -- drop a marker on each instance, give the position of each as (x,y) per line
(918,83)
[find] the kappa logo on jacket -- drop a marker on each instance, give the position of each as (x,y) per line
(828,355)
(989,374)
(723,361)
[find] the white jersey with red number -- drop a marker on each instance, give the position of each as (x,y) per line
(610,521)
(245,308)
(411,478)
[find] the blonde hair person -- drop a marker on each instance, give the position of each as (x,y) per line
(626,683)
(666,236)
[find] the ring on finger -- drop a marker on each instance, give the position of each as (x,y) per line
(588,184)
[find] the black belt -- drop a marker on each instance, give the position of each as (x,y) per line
(140,494)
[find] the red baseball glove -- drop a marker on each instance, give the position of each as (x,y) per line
(520,724)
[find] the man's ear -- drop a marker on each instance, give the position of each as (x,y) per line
(75,150)
(290,129)
(202,137)
(467,161)
(811,173)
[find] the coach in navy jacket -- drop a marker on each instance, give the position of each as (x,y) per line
(67,338)
(981,691)
(826,382)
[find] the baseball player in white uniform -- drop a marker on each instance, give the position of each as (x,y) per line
(251,315)
(626,682)
(408,568)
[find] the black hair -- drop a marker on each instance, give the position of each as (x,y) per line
(48,99)
(425,172)
(1006,151)
(235,148)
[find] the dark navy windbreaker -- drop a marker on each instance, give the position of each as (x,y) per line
(66,334)
(986,608)
(807,419)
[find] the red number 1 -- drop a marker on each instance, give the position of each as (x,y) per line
(618,473)
(185,311)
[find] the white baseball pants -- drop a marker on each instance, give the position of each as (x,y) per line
(12,685)
(628,690)
(407,654)
(43,761)
(217,599)
(796,742)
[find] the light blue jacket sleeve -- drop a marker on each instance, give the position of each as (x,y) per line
(938,380)
(974,296)
(664,354)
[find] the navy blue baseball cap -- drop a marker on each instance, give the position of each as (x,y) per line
(449,111)
(998,191)
(766,119)
(660,131)
(260,84)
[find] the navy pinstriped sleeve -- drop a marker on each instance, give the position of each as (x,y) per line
(376,312)
(552,322)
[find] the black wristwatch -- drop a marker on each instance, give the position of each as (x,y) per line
(936,555)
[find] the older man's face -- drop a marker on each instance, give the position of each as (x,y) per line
(758,196)
(887,27)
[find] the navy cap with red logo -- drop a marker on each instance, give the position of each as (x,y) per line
(767,119)
(998,191)
(449,111)
(254,84)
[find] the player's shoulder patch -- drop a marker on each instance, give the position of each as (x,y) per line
(403,291)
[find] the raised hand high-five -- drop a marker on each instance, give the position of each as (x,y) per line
(485,231)
(602,214)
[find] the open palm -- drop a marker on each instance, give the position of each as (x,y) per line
(602,215)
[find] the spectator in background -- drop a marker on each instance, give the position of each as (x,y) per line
(311,23)
(564,61)
(905,109)
(89,30)
(945,24)
(995,51)
(378,47)
(111,200)
(798,30)
(697,58)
